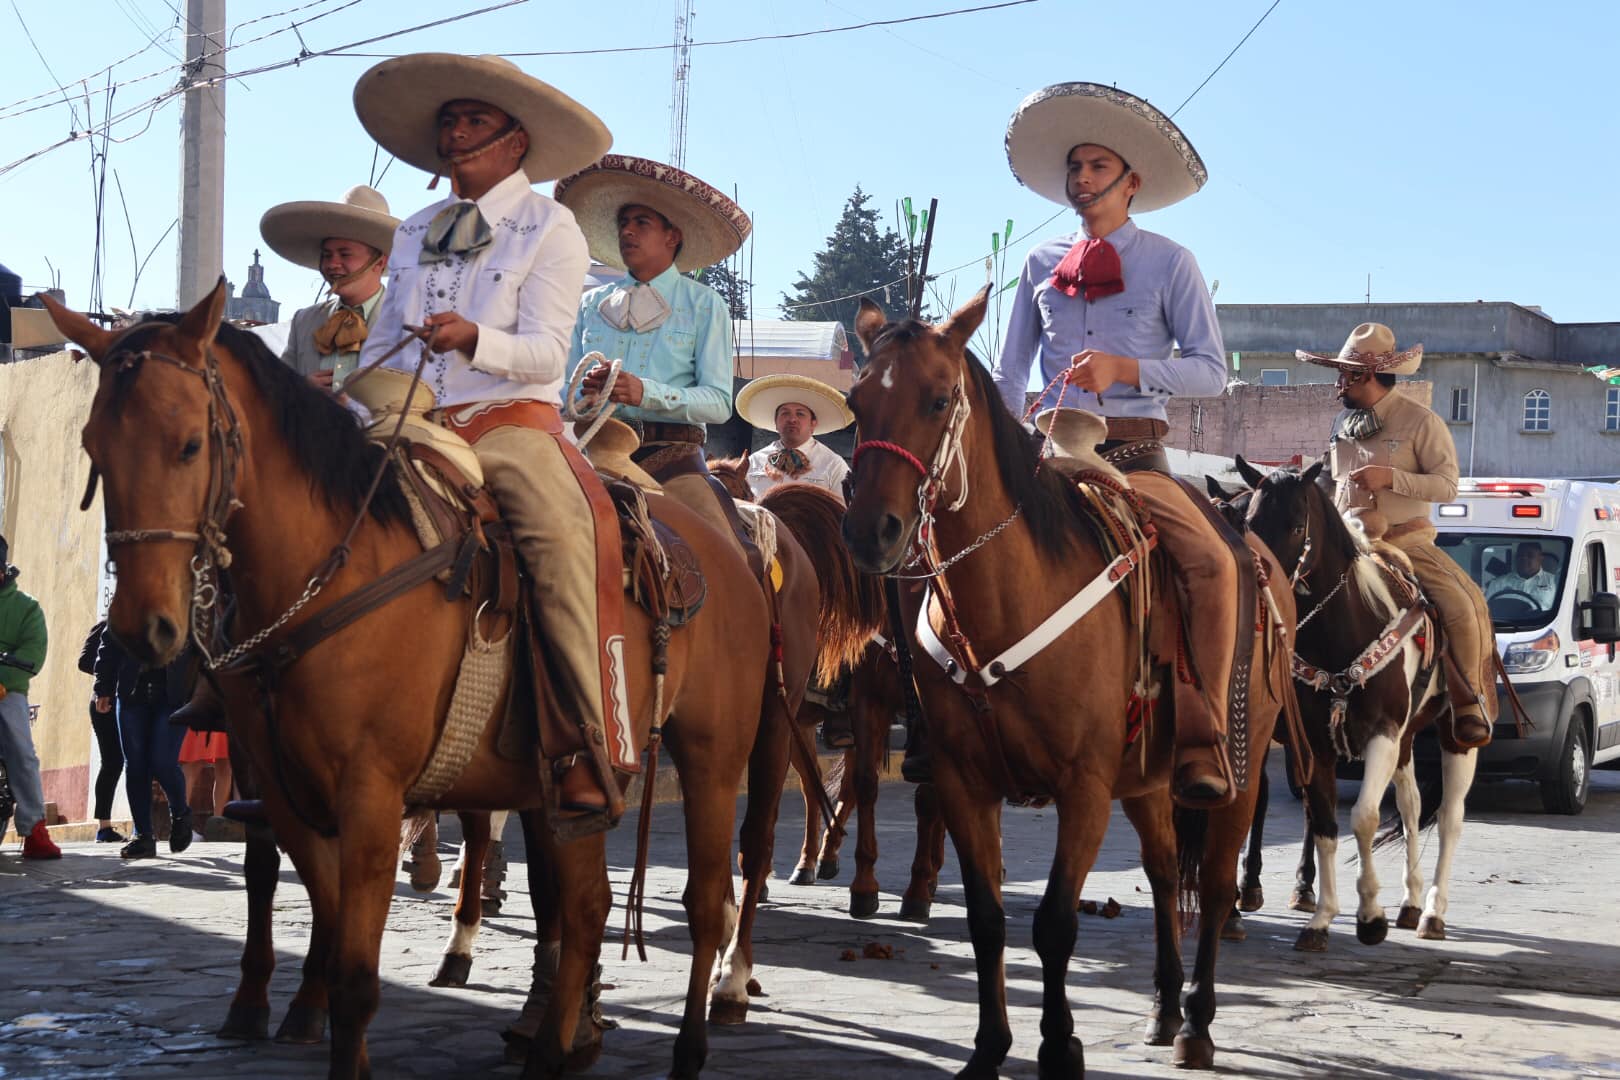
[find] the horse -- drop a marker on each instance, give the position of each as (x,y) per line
(197,429)
(1367,656)
(943,461)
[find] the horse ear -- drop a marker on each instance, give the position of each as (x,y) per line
(966,319)
(1309,475)
(201,323)
(1250,474)
(79,329)
(1216,491)
(869,323)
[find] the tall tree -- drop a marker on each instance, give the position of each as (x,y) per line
(857,259)
(728,283)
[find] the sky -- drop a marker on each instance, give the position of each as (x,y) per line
(1447,150)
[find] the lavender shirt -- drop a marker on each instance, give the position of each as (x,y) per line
(1164,302)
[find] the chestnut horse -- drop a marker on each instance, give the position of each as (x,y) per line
(196,427)
(1055,726)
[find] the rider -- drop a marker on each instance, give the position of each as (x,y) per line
(795,407)
(1105,308)
(22,635)
(491,276)
(1393,456)
(672,333)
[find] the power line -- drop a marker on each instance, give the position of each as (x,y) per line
(1227,57)
(29,34)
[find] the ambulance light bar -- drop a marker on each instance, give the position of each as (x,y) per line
(1509,487)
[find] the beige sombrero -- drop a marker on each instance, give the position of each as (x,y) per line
(296,230)
(712,225)
(398,103)
(1370,347)
(1075,435)
(1051,122)
(758,401)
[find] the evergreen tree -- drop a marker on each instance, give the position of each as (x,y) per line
(857,259)
(728,283)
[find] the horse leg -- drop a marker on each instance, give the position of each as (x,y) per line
(456,964)
(1381,757)
(1151,816)
(861,772)
(832,837)
(1410,803)
(711,910)
(929,855)
(249,1014)
(566,1037)
(317,861)
(804,873)
(1456,777)
(367,850)
(1322,844)
(1083,812)
(1253,896)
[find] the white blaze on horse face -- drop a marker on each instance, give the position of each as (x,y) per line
(1379,761)
(887,379)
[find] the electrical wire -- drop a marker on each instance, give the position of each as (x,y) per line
(1227,57)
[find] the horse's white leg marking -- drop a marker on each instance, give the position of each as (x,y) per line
(1327,901)
(462,936)
(1378,766)
(735,971)
(1410,802)
(1456,777)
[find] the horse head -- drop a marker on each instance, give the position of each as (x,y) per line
(1290,513)
(1233,503)
(733,476)
(911,403)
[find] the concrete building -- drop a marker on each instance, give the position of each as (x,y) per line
(255,306)
(1272,425)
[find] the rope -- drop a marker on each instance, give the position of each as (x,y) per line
(596,408)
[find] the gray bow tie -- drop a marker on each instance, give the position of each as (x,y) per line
(458,229)
(637,307)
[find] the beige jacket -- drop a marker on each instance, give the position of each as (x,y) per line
(1416,444)
(301,354)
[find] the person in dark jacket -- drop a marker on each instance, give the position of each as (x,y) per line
(104,722)
(145,698)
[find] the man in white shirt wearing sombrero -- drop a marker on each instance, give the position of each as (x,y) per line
(795,407)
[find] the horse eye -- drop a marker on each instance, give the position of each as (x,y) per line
(1299,530)
(940,404)
(192,448)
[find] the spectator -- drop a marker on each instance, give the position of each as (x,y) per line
(22,636)
(151,744)
(200,749)
(104,722)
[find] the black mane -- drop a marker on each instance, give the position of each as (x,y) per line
(323,437)
(1336,531)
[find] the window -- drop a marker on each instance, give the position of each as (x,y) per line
(1462,405)
(1522,576)
(1611,409)
(1272,376)
(1537,411)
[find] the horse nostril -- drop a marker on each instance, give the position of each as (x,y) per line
(162,635)
(889,530)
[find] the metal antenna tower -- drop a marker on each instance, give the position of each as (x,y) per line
(680,83)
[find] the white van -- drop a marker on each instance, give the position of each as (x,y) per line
(1547,555)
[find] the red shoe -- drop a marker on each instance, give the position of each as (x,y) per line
(39,844)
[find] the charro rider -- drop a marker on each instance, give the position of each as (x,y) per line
(1106,307)
(1391,457)
(672,333)
(795,407)
(491,275)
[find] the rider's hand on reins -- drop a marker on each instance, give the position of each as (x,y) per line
(1373,477)
(627,389)
(1096,371)
(448,331)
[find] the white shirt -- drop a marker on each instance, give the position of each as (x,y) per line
(827,469)
(1542,587)
(522,291)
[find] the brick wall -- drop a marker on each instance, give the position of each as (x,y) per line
(1265,423)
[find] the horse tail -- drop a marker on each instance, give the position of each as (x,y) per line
(1429,799)
(852,608)
(1192,838)
(412,828)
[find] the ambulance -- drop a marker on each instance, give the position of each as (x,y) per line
(1546,553)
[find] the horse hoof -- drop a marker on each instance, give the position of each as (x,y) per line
(1373,931)
(863,905)
(250,1022)
(804,875)
(1303,900)
(489,906)
(453,970)
(1408,918)
(1193,1052)
(302,1026)
(764,891)
(425,872)
(914,910)
(583,1057)
(1253,899)
(1161,1030)
(1067,1061)
(1234,930)
(1432,928)
(827,869)
(725,1011)
(1312,939)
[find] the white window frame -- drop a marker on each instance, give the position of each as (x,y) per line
(1462,396)
(1274,371)
(1611,408)
(1537,411)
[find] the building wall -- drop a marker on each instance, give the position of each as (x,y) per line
(1269,424)
(43,405)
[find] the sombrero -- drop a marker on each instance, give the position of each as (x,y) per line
(296,230)
(398,103)
(1371,348)
(1075,436)
(758,401)
(712,225)
(1051,122)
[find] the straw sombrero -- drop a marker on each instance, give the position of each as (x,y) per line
(1075,435)
(712,225)
(398,103)
(1051,122)
(1370,347)
(296,230)
(758,401)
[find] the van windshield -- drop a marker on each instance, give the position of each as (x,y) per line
(1522,576)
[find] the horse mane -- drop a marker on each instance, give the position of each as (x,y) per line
(1352,545)
(732,473)
(321,435)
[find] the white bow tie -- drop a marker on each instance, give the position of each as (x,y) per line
(638,308)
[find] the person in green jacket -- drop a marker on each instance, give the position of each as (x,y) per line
(22,637)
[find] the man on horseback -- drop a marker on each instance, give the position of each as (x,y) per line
(1390,458)
(1104,310)
(795,407)
(489,279)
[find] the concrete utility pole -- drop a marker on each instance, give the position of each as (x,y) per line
(680,83)
(202,154)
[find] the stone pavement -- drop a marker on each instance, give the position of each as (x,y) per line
(119,969)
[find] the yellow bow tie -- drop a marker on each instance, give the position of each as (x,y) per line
(345,331)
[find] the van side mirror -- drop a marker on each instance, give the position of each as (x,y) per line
(1600,619)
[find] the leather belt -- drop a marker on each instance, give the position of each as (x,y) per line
(658,431)
(537,415)
(1132,428)
(1130,456)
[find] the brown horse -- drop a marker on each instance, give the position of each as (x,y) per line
(1054,726)
(197,428)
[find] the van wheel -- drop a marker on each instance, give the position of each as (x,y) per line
(1564,792)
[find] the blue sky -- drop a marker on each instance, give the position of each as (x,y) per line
(1451,150)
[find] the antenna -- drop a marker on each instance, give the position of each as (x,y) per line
(680,83)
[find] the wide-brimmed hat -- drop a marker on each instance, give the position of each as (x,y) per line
(758,401)
(398,103)
(712,225)
(1371,348)
(1051,122)
(296,230)
(1075,435)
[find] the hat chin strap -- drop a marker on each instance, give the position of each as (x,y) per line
(1093,200)
(349,279)
(460,157)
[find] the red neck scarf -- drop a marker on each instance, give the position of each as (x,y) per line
(1091,265)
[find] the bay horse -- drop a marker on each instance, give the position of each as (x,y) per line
(1353,602)
(195,428)
(941,459)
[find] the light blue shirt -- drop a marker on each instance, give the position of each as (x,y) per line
(684,364)
(1164,303)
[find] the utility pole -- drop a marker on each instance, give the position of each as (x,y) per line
(202,153)
(680,83)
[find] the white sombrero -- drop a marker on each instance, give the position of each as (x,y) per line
(1051,122)
(296,230)
(398,103)
(1075,435)
(1370,347)
(758,401)
(712,225)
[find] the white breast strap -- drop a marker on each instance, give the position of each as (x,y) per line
(1037,639)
